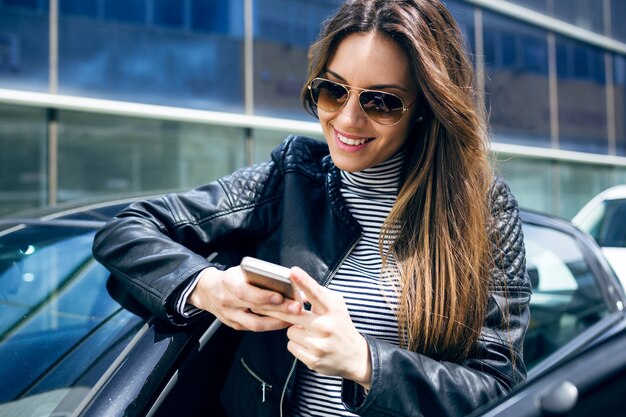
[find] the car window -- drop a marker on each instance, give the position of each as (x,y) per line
(611,230)
(59,326)
(566,296)
(607,223)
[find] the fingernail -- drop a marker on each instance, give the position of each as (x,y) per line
(276,299)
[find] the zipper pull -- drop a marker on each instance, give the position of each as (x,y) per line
(263,388)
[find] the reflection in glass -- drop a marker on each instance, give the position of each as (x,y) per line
(580,182)
(607,223)
(281,42)
(59,327)
(464,16)
(619,71)
(266,140)
(566,299)
(23,158)
(24,43)
(582,97)
(517,93)
(537,5)
(531,181)
(586,14)
(185,60)
(618,11)
(112,156)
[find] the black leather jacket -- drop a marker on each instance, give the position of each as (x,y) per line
(290,211)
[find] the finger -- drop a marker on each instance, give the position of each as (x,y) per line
(301,319)
(249,293)
(303,354)
(256,323)
(316,295)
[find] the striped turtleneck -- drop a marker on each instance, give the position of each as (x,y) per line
(371,297)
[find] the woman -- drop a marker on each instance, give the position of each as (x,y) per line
(409,253)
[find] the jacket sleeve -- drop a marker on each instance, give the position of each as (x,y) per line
(156,247)
(406,383)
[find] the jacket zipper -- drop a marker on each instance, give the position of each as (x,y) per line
(264,385)
(324,284)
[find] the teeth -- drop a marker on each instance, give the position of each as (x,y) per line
(352,142)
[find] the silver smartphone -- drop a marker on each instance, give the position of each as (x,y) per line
(268,276)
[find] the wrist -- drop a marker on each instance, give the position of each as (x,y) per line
(205,280)
(362,373)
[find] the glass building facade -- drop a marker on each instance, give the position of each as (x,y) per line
(106,98)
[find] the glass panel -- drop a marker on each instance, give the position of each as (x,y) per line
(618,11)
(110,156)
(579,183)
(586,14)
(280,52)
(619,66)
(266,140)
(537,5)
(464,15)
(517,92)
(566,298)
(24,43)
(531,181)
(54,304)
(609,228)
(177,62)
(23,158)
(582,97)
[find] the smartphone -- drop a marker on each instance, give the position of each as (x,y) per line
(268,276)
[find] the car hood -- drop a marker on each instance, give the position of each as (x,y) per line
(617,259)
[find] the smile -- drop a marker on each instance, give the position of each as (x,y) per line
(351,141)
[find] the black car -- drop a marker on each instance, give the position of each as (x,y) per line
(73,343)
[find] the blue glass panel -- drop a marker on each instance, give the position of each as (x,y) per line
(168,13)
(125,11)
(24,43)
(147,64)
(581,97)
(517,91)
(22,158)
(211,16)
(537,5)
(618,12)
(280,52)
(586,14)
(464,16)
(619,71)
(88,8)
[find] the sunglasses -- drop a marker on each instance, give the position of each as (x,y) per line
(380,106)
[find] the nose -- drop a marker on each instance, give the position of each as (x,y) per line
(351,113)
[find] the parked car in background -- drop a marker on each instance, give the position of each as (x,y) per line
(604,218)
(73,342)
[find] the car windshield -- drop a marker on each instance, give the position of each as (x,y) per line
(60,328)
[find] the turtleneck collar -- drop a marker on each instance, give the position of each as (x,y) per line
(381,179)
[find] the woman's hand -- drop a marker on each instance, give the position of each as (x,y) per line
(325,338)
(227,296)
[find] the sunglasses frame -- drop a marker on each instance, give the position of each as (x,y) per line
(359,91)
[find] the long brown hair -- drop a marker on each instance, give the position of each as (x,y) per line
(437,229)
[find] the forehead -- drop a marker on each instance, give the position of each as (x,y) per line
(365,59)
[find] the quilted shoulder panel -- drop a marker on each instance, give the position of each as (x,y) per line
(507,237)
(251,185)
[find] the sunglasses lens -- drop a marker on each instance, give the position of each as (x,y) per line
(328,95)
(381,107)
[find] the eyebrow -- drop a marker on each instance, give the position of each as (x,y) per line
(373,87)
